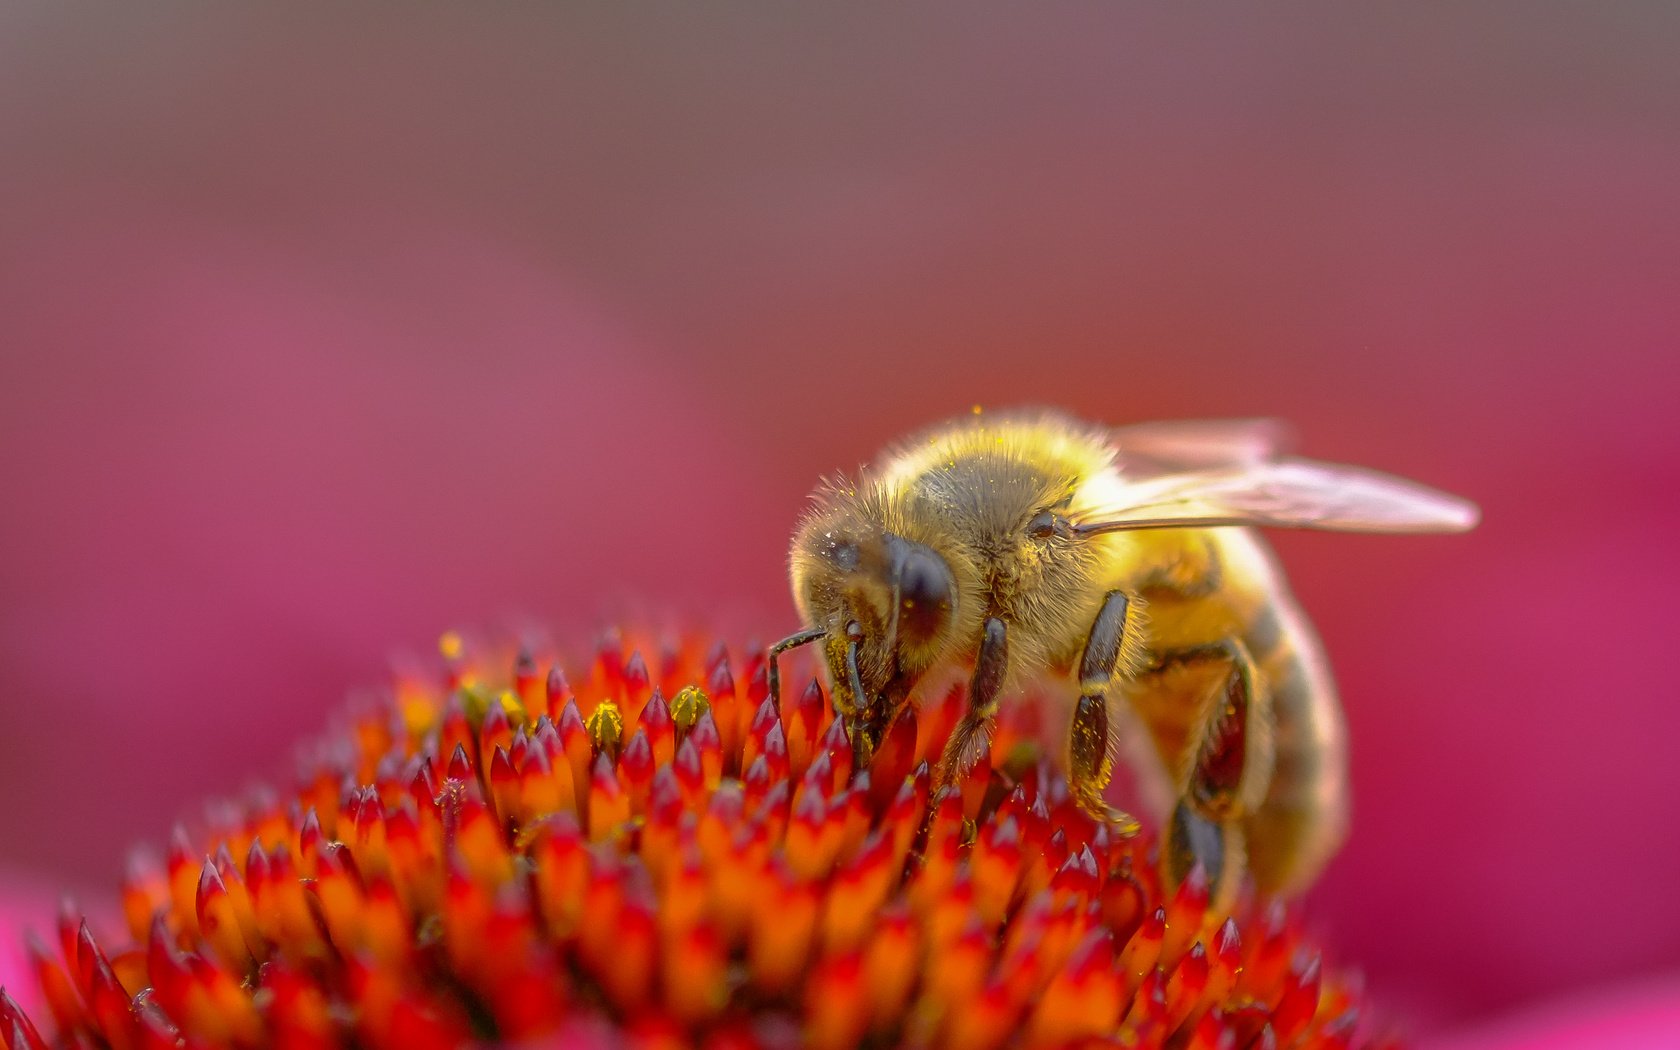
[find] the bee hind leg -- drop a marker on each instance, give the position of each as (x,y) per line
(1091,746)
(1227,772)
(1217,846)
(963,745)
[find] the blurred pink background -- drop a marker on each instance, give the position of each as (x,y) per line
(320,336)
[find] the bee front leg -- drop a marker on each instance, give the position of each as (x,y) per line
(1227,771)
(773,671)
(990,667)
(1091,744)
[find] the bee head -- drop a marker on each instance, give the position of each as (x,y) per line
(885,604)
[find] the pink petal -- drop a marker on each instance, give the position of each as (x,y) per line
(24,905)
(1636,1018)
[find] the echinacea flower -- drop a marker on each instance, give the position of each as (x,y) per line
(658,856)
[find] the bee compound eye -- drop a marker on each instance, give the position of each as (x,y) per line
(844,554)
(924,593)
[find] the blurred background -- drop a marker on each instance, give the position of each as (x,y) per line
(320,334)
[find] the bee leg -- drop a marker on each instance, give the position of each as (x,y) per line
(852,705)
(1233,759)
(1227,772)
(961,748)
(864,728)
(773,672)
(1217,846)
(1090,745)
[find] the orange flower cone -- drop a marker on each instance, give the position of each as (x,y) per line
(656,856)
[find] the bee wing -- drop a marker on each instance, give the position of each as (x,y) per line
(1170,446)
(1284,493)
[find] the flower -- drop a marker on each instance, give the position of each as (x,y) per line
(658,856)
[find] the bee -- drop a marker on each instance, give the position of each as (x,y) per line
(1118,570)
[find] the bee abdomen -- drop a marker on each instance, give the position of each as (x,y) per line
(1302,817)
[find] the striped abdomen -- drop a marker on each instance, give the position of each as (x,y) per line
(1303,817)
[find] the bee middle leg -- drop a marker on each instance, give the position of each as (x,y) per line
(1091,744)
(990,667)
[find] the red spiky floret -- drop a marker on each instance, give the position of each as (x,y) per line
(499,854)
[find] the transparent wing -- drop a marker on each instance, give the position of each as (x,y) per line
(1284,493)
(1146,449)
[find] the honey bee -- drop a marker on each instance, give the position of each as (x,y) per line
(1116,569)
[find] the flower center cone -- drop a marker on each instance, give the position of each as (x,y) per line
(658,856)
